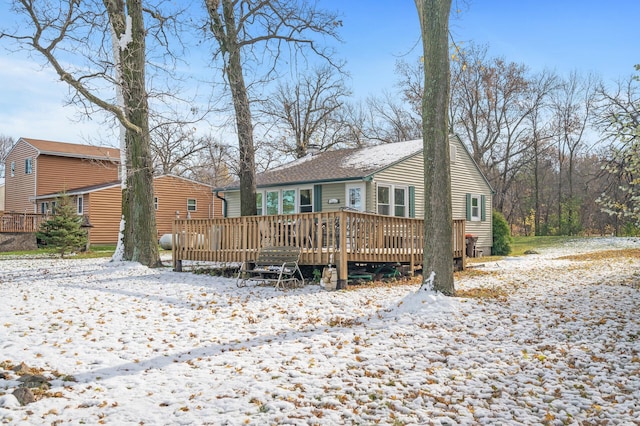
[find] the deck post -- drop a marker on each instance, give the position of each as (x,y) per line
(342,263)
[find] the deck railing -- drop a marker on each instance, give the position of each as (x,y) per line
(21,222)
(324,238)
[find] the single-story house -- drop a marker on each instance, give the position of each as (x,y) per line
(386,179)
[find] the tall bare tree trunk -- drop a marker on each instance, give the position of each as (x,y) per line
(438,250)
(140,232)
(227,36)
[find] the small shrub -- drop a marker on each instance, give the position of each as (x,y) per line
(501,235)
(63,231)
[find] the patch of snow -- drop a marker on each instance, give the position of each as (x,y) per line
(383,154)
(152,346)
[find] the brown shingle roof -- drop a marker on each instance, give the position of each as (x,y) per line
(343,164)
(64,149)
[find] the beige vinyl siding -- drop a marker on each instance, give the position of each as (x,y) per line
(466,179)
(20,188)
(406,173)
(56,174)
(333,190)
(233,203)
(172,193)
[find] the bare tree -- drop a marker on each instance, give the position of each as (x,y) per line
(573,106)
(78,31)
(175,146)
(434,22)
(214,164)
(391,121)
(491,100)
(260,30)
(305,113)
(6,143)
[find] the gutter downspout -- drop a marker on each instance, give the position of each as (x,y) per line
(224,203)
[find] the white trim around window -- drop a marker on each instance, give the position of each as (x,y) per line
(392,200)
(288,200)
(475,208)
(192,205)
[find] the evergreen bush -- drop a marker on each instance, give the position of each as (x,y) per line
(64,230)
(501,235)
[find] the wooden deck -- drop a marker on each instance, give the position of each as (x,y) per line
(21,222)
(336,238)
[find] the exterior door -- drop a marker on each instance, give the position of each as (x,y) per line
(356,197)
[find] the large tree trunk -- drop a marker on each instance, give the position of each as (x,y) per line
(140,232)
(244,126)
(438,250)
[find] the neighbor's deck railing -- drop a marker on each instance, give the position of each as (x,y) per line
(21,222)
(326,237)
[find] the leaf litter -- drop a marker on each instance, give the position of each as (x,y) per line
(552,338)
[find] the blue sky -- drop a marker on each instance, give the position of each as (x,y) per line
(562,35)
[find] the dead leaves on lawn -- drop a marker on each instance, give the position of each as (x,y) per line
(604,255)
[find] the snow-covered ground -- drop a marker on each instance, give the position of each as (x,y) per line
(122,344)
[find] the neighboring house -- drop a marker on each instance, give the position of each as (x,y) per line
(386,179)
(35,167)
(173,195)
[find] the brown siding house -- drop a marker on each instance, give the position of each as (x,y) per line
(40,171)
(173,195)
(35,167)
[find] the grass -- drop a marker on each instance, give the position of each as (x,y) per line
(96,251)
(522,244)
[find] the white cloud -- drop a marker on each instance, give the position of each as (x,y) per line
(33,105)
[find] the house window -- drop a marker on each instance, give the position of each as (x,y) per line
(288,201)
(306,201)
(44,208)
(54,207)
(475,207)
(28,166)
(13,168)
(80,204)
(259,203)
(191,205)
(384,199)
(392,200)
(273,202)
(155,203)
(400,201)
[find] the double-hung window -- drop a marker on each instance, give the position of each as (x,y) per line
(192,205)
(393,200)
(475,208)
(306,200)
(28,166)
(13,168)
(400,201)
